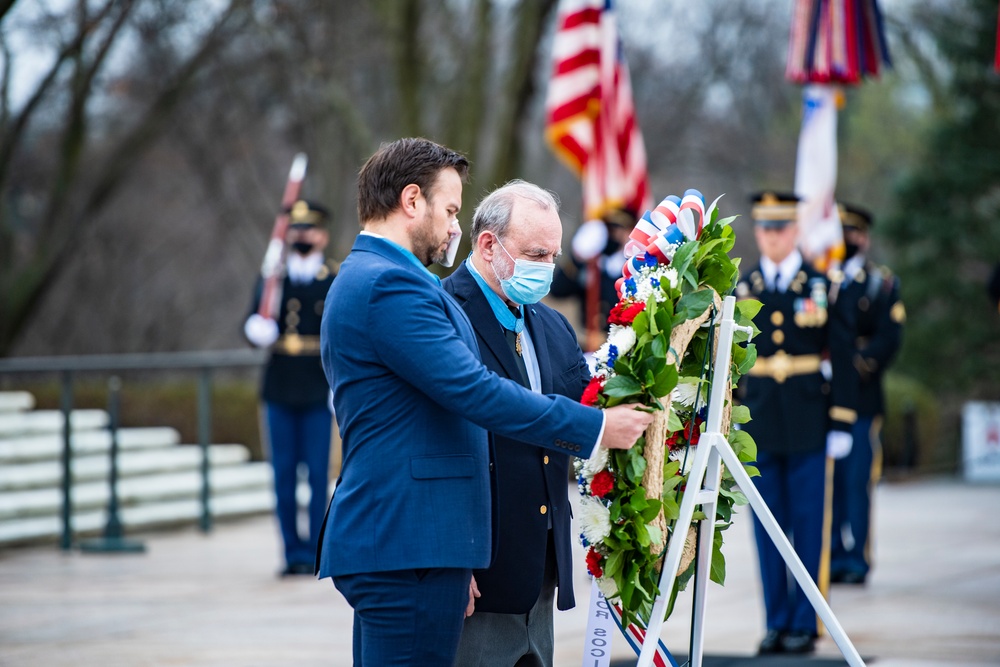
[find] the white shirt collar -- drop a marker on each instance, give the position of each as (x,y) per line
(787,269)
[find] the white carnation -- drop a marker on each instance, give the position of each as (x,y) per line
(685,393)
(601,355)
(608,587)
(622,338)
(595,520)
(597,462)
(686,457)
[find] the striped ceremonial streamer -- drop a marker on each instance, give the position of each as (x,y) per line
(590,115)
(836,41)
(635,635)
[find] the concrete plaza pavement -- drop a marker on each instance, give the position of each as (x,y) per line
(214,600)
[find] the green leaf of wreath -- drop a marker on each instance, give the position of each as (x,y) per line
(692,305)
(622,386)
(665,381)
(740,414)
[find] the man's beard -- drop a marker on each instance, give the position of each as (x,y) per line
(426,247)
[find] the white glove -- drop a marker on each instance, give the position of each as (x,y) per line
(261,331)
(838,444)
(589,240)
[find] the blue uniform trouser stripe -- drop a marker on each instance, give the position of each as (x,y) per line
(792,486)
(299,435)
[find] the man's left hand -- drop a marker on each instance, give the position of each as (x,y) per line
(473,594)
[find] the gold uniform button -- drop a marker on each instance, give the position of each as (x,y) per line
(543,509)
(778,337)
(545,460)
(777,318)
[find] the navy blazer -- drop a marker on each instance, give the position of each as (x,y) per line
(528,478)
(414,403)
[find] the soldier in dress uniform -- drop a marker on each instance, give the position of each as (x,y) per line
(295,390)
(871,292)
(799,416)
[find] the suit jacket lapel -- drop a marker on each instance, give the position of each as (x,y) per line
(474,302)
(537,333)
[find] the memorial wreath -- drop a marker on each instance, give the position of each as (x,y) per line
(658,355)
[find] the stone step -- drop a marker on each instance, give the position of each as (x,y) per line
(173,512)
(49,421)
(135,491)
(34,474)
(16,401)
(49,446)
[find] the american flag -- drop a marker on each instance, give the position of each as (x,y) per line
(590,115)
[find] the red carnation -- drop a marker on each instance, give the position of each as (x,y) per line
(593,390)
(674,441)
(594,563)
(602,484)
(623,314)
(694,431)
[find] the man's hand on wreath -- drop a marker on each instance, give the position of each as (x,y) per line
(623,424)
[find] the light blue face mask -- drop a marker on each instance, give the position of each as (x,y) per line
(529,282)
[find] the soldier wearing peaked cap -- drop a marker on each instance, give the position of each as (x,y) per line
(871,293)
(295,390)
(799,415)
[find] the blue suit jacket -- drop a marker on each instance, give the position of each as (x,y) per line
(527,477)
(414,403)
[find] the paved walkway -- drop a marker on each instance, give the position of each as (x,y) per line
(214,601)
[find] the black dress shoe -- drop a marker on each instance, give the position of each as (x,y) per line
(295,569)
(852,578)
(771,643)
(798,642)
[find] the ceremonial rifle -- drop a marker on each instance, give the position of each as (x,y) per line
(274,258)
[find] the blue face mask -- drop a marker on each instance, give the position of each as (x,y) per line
(530,281)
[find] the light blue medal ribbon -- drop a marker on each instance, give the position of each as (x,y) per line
(508,320)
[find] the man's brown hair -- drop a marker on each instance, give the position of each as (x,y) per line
(398,164)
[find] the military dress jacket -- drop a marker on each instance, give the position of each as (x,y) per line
(531,483)
(294,373)
(792,404)
(873,295)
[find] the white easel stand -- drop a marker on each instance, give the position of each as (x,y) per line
(713,449)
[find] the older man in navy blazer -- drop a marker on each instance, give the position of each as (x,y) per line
(516,238)
(411,513)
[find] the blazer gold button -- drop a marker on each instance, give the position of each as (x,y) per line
(543,509)
(545,460)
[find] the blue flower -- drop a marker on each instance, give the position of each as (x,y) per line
(612,355)
(651,259)
(655,282)
(630,286)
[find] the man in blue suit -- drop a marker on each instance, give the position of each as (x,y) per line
(411,513)
(516,238)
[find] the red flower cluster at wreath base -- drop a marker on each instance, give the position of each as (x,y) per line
(623,313)
(594,563)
